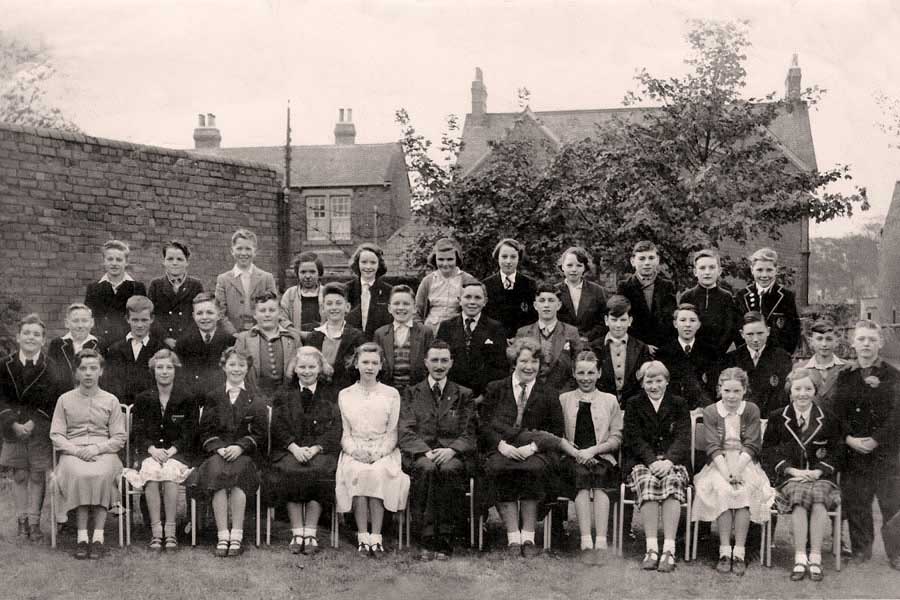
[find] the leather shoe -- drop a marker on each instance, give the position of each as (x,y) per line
(514,549)
(82,550)
(739,566)
(861,556)
(666,563)
(724,564)
(96,551)
(530,550)
(651,560)
(815,572)
(799,572)
(35,533)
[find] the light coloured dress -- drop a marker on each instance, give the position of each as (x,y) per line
(437,298)
(80,421)
(715,495)
(370,464)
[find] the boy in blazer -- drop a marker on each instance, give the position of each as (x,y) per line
(367,293)
(652,297)
(692,367)
(560,343)
(766,365)
(478,343)
(437,439)
(235,289)
(270,346)
(127,372)
(201,347)
(108,296)
(621,354)
(583,301)
(173,293)
(510,293)
(777,304)
(79,322)
(404,341)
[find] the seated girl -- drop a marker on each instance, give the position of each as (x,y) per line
(657,438)
(306,433)
(594,424)
(369,476)
(162,428)
(88,430)
(232,430)
(802,452)
(732,488)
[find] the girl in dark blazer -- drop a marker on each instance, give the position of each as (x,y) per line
(575,263)
(510,293)
(162,431)
(657,446)
(368,264)
(334,338)
(232,429)
(306,440)
(802,460)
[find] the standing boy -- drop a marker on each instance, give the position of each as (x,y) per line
(560,342)
(201,347)
(173,293)
(621,355)
(107,297)
(824,365)
(127,372)
(691,367)
(235,289)
(767,366)
(776,303)
(270,345)
(404,342)
(652,297)
(719,318)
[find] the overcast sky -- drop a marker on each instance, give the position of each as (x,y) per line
(140,70)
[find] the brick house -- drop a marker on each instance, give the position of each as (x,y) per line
(341,194)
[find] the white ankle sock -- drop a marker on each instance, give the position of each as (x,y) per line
(669,546)
(800,558)
(237,535)
(725,551)
(513,537)
(815,558)
(652,544)
(600,543)
(587,542)
(82,536)
(362,537)
(222,535)
(309,532)
(169,529)
(527,536)
(739,552)
(297,531)
(98,536)
(156,529)
(375,538)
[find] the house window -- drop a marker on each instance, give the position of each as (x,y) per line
(328,217)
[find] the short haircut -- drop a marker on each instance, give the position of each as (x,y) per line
(138,304)
(764,254)
(164,354)
(685,306)
(797,375)
(521,344)
(367,347)
(734,374)
(334,288)
(244,234)
(823,325)
(516,245)
(205,297)
(78,306)
(706,253)
(32,319)
(471,282)
(233,351)
(325,370)
(268,296)
(308,257)
(86,353)
(868,324)
(581,255)
(651,368)
(546,287)
(618,305)
(401,289)
(644,246)
(374,249)
(176,245)
(586,356)
(439,345)
(444,245)
(754,316)
(117,245)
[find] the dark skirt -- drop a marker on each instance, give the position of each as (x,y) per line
(530,479)
(218,474)
(288,480)
(603,476)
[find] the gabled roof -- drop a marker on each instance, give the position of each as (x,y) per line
(325,166)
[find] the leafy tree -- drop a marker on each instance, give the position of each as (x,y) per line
(24,70)
(845,267)
(694,171)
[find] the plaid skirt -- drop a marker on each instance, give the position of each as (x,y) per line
(807,493)
(650,488)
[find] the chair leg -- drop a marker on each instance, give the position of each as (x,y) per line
(121,529)
(471,513)
(695,542)
(193,522)
(687,525)
(400,519)
(335,540)
(258,516)
(270,514)
(408,526)
(837,538)
(548,525)
(53,524)
(620,525)
(480,533)
(615,529)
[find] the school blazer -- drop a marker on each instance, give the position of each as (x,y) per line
(174,427)
(542,416)
(378,316)
(108,308)
(784,445)
(483,360)
(766,378)
(125,377)
(565,344)
(62,353)
(606,416)
(425,425)
(199,360)
(34,400)
(652,324)
(636,354)
(320,425)
(779,307)
(692,376)
(513,308)
(649,434)
(591,309)
(230,296)
(173,312)
(351,339)
(420,338)
(248,342)
(243,424)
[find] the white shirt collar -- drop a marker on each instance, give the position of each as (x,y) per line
(757,353)
(684,344)
(549,328)
(115,286)
(762,290)
(324,329)
(517,385)
(22,358)
(575,287)
(366,283)
(89,337)
(397,324)
(432,381)
(311,388)
(144,340)
(230,386)
(805,414)
(511,277)
(236,272)
(610,338)
(836,361)
(723,412)
(476,318)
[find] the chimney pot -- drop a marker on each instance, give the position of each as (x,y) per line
(340,115)
(344,129)
(479,94)
(792,82)
(349,115)
(206,134)
(201,120)
(210,120)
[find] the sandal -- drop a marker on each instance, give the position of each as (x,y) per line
(651,560)
(222,548)
(666,562)
(362,549)
(171,543)
(234,548)
(799,572)
(815,572)
(310,545)
(156,544)
(297,544)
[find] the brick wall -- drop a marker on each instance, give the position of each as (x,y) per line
(62,195)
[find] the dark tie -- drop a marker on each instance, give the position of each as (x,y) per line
(436,392)
(29,364)
(520,409)
(507,283)
(207,338)
(801,422)
(687,349)
(306,397)
(470,326)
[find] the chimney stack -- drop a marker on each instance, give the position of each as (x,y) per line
(792,89)
(206,134)
(344,129)
(479,94)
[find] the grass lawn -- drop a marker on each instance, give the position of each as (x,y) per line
(135,573)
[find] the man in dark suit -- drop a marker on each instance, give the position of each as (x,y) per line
(621,354)
(767,366)
(201,347)
(652,297)
(777,304)
(127,372)
(692,367)
(477,342)
(437,439)
(559,341)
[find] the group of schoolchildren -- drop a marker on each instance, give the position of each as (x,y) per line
(364,396)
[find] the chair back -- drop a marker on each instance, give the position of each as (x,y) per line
(126,409)
(697,438)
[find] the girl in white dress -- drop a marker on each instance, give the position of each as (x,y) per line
(369,476)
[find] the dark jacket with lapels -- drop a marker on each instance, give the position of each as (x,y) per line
(62,352)
(513,308)
(173,312)
(200,361)
(31,398)
(351,338)
(692,376)
(420,338)
(652,324)
(649,435)
(243,423)
(565,344)
(767,377)
(379,298)
(426,424)
(591,309)
(108,308)
(779,307)
(151,426)
(126,376)
(318,424)
(636,354)
(480,361)
(542,420)
(785,445)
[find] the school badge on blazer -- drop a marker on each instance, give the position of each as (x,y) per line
(524,307)
(773,380)
(821,453)
(779,322)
